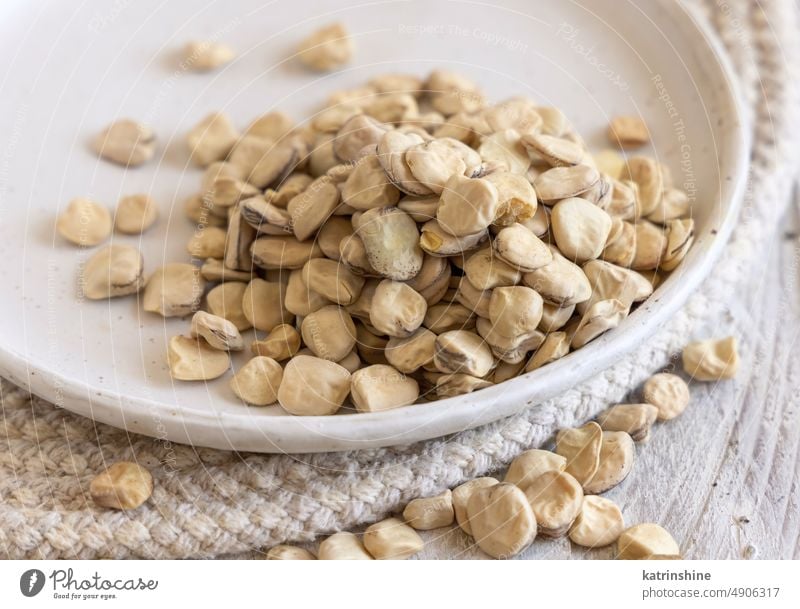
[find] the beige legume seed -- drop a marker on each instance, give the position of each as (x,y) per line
(485,270)
(115,270)
(580,446)
(380,387)
(126,142)
(332,280)
(521,249)
(193,359)
(327,48)
(246,154)
(680,237)
(331,119)
(580,228)
(461,495)
(410,353)
(622,250)
(461,351)
(467,205)
(174,290)
(329,333)
(370,347)
(218,332)
(557,152)
(598,524)
(649,178)
(617,454)
(262,304)
(276,164)
(282,343)
(448,316)
(624,200)
(515,311)
(123,486)
(438,242)
(206,55)
(310,208)
(342,546)
(391,240)
(555,346)
(353,255)
(450,385)
(452,93)
(473,299)
(674,204)
(634,419)
(505,150)
(397,310)
(610,162)
(612,282)
(211,139)
(284,552)
(226,192)
(135,214)
(428,513)
(565,182)
(711,360)
(642,540)
(257,382)
(516,113)
(207,243)
(556,499)
(511,350)
(391,151)
(506,371)
(560,282)
(599,318)
(667,392)
(199,209)
(554,317)
(226,300)
(531,464)
(283,252)
(362,307)
(355,134)
(628,132)
(368,186)
(432,163)
(433,279)
(651,246)
(313,386)
(301,300)
(272,125)
(331,234)
(501,519)
(84,223)
(392,539)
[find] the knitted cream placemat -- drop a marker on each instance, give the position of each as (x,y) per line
(208,503)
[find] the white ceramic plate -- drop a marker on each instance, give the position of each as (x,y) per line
(70,68)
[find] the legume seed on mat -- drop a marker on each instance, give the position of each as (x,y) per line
(123,486)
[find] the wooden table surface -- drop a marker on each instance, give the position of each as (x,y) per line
(724,478)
